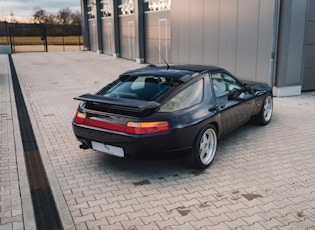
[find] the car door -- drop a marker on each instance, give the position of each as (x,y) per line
(234,101)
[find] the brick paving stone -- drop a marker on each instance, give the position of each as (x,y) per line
(308,223)
(204,214)
(132,224)
(187,225)
(235,223)
(290,218)
(163,224)
(151,218)
(79,206)
(150,226)
(273,223)
(81,219)
(186,218)
(133,215)
(220,226)
(256,226)
(220,218)
(151,211)
(201,223)
(112,226)
(275,162)
(270,214)
(140,206)
(104,214)
(92,210)
(121,210)
(117,218)
(97,224)
(81,226)
(251,220)
(237,215)
(6,226)
(85,199)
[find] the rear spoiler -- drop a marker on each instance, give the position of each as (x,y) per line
(124,102)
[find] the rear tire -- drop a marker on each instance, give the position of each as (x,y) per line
(265,113)
(204,149)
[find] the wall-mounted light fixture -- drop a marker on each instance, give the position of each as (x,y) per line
(158,5)
(127,7)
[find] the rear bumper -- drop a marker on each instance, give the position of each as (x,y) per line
(138,145)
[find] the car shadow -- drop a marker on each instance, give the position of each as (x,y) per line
(174,167)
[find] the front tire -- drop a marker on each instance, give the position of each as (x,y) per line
(204,149)
(265,114)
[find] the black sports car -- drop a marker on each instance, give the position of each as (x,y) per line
(168,109)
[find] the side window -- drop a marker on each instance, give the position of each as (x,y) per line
(190,96)
(224,84)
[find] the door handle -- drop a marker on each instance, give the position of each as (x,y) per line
(222,106)
(213,108)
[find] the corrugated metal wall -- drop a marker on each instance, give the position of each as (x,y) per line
(234,34)
(108,35)
(157,37)
(93,34)
(309,49)
(92,27)
(127,36)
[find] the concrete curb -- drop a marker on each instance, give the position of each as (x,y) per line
(62,207)
(27,206)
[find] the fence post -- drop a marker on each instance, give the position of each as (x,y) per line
(63,38)
(7,32)
(44,35)
(11,39)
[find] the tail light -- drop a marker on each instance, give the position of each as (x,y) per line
(131,127)
(147,127)
(80,117)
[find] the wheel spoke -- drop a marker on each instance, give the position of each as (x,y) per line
(203,150)
(207,146)
(267,109)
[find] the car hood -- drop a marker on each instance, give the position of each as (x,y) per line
(258,86)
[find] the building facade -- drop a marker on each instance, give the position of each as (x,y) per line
(272,41)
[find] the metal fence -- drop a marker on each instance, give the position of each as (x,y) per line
(22,34)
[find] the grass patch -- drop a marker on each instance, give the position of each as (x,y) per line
(51,40)
(4,41)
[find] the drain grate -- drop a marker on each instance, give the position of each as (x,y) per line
(46,214)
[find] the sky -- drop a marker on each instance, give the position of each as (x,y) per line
(24,8)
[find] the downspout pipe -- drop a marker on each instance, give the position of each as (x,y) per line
(273,58)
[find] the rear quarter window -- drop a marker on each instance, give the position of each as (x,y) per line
(188,97)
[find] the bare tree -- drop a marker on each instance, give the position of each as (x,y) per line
(13,19)
(51,19)
(64,16)
(40,15)
(76,18)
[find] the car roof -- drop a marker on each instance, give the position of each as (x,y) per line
(179,72)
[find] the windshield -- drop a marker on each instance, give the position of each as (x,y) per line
(147,88)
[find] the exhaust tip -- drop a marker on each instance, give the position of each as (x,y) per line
(84,146)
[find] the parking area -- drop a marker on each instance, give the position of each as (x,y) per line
(261,178)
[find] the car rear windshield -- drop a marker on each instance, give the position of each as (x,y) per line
(147,88)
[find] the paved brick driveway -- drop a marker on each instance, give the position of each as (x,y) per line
(262,177)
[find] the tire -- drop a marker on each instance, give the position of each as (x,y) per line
(204,149)
(265,113)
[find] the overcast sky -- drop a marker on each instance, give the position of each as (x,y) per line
(24,8)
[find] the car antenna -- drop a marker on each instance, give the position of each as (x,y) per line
(168,66)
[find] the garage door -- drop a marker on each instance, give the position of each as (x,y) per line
(235,34)
(309,49)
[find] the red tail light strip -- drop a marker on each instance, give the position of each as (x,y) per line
(105,125)
(131,127)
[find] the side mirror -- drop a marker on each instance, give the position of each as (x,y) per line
(235,94)
(248,89)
